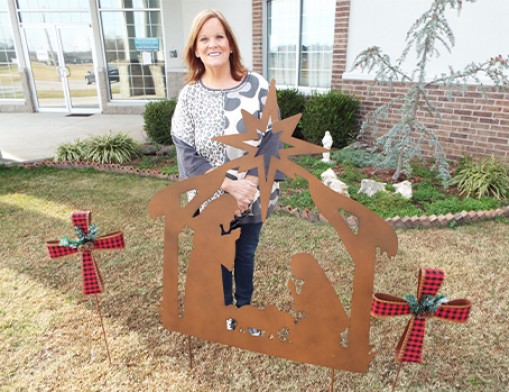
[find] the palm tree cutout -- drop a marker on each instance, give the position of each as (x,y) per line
(202,312)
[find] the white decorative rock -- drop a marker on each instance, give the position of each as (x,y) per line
(339,187)
(331,180)
(328,175)
(370,187)
(404,189)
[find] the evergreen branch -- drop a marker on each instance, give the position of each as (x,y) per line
(429,27)
(373,57)
(406,139)
(81,239)
(380,113)
(494,68)
(426,306)
(430,108)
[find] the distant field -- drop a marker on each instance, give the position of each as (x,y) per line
(49,73)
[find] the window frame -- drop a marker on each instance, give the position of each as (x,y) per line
(298,53)
(106,9)
(12,82)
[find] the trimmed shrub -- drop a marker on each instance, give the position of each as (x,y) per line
(157,120)
(291,102)
(334,112)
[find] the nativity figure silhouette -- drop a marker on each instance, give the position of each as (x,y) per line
(327,335)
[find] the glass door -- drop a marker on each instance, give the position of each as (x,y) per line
(62,68)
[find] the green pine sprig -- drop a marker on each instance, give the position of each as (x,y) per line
(428,304)
(81,239)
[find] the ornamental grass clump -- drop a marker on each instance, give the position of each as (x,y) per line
(118,148)
(69,152)
(104,149)
(486,178)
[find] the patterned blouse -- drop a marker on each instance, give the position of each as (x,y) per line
(203,113)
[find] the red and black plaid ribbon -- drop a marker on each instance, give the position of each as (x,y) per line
(92,281)
(409,348)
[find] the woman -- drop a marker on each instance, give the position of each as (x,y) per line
(218,87)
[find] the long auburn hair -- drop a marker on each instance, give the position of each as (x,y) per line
(195,67)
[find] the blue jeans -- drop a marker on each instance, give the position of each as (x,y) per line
(243,268)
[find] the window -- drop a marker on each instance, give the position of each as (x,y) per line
(133,44)
(53,11)
(47,5)
(300,42)
(10,83)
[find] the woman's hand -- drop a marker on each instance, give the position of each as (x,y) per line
(244,191)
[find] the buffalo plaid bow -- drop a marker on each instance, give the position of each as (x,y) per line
(409,348)
(92,281)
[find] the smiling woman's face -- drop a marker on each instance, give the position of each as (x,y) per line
(212,45)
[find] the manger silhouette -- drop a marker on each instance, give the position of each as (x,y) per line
(315,338)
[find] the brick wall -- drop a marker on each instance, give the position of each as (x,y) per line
(472,123)
(258,40)
(340,40)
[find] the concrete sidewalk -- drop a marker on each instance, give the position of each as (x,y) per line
(29,137)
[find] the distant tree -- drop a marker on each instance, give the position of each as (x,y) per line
(404,141)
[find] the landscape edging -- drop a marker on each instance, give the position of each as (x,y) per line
(408,222)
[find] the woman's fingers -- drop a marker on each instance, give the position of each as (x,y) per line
(244,192)
(239,187)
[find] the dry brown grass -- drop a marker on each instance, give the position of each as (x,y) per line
(50,336)
(48,73)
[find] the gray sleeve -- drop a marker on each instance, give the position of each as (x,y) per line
(190,163)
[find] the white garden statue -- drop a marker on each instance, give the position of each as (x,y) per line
(327,143)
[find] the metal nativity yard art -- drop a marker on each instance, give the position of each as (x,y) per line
(315,338)
(212,247)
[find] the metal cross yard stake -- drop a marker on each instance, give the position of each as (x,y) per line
(423,307)
(86,242)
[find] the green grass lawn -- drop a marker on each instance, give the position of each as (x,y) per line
(430,196)
(50,337)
